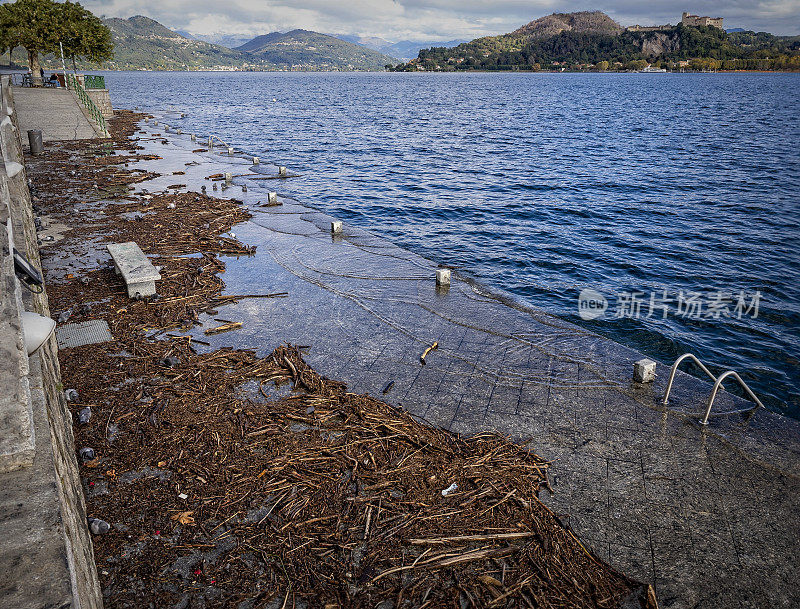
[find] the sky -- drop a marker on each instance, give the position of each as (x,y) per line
(426,20)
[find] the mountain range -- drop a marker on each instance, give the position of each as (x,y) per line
(558,41)
(311,50)
(141,43)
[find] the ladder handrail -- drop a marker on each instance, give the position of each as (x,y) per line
(717,384)
(221,141)
(675,370)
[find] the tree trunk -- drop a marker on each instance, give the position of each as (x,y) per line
(36,68)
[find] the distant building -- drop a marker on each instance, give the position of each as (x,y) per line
(695,20)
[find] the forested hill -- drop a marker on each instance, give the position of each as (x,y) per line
(312,50)
(592,40)
(141,43)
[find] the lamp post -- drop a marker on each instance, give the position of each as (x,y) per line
(63,66)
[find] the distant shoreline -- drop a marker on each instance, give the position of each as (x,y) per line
(8,69)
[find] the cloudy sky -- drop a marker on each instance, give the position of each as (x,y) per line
(431,19)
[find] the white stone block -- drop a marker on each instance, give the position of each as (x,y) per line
(442,276)
(336,227)
(644,371)
(272,197)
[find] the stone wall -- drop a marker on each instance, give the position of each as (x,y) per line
(46,555)
(102,100)
(17,437)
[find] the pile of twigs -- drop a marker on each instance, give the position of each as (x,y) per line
(223,491)
(322,495)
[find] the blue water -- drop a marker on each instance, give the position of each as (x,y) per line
(546,184)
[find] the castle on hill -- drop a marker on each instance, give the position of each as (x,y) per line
(686,19)
(695,20)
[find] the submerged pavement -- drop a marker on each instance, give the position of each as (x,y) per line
(708,515)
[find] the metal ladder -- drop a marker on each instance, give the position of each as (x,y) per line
(717,384)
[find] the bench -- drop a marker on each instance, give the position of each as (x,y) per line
(138,272)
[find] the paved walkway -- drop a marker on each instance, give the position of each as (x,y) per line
(709,516)
(56,112)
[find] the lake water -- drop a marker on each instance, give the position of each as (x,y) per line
(668,194)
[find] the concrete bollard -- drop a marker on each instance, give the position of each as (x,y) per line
(336,227)
(281,170)
(146,119)
(193,137)
(244,187)
(230,150)
(166,128)
(644,371)
(183,115)
(155,123)
(35,141)
(272,197)
(228,178)
(255,160)
(178,131)
(210,142)
(442,276)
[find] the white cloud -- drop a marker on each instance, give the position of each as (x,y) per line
(430,19)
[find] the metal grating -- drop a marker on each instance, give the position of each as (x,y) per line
(82,333)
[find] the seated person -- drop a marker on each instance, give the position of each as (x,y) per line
(53,80)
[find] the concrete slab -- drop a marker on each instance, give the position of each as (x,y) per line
(83,333)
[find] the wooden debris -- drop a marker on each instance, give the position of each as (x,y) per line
(422,357)
(224,328)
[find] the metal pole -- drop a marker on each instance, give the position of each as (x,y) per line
(63,66)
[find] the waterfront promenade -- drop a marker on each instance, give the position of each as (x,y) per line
(708,515)
(56,112)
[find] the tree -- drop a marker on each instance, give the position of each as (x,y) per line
(84,35)
(39,26)
(34,25)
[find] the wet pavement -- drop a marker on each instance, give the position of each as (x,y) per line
(708,515)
